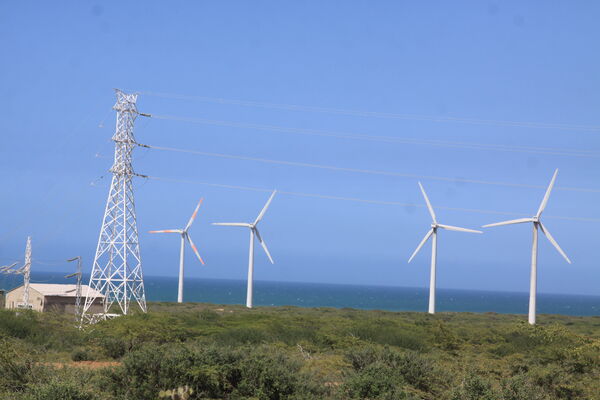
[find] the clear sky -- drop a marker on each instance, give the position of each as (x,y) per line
(509,61)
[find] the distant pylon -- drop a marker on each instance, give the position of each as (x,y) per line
(27,273)
(117,268)
(77,274)
(25,270)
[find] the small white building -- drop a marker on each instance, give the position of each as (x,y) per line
(53,297)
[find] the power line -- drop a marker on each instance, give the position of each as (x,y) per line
(360,200)
(366,171)
(376,114)
(388,139)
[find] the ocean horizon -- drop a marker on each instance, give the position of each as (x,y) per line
(366,297)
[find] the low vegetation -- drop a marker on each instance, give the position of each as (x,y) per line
(202,351)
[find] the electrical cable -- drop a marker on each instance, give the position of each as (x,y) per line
(366,171)
(388,139)
(376,114)
(360,200)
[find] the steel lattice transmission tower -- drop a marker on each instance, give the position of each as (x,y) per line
(117,269)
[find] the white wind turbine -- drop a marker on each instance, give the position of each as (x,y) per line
(433,233)
(253,232)
(184,236)
(537,223)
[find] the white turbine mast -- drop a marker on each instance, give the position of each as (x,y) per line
(537,223)
(78,287)
(433,233)
(253,232)
(184,236)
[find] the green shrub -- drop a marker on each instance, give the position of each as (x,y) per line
(82,355)
(242,336)
(520,387)
(383,372)
(444,337)
(582,359)
(58,391)
(18,325)
(474,387)
(556,381)
(272,375)
(548,342)
(292,334)
(295,353)
(16,365)
(375,381)
(208,315)
(385,333)
(213,372)
(113,347)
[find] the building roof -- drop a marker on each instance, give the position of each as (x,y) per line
(63,290)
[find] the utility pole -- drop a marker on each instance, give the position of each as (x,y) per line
(117,268)
(25,270)
(27,273)
(78,287)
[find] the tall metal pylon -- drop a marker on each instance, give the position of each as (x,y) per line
(25,270)
(27,273)
(117,268)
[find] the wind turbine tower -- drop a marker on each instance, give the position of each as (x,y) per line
(184,236)
(117,268)
(537,224)
(253,233)
(433,232)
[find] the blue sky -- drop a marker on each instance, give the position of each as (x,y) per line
(504,61)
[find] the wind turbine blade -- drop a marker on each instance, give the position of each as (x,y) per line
(512,221)
(72,275)
(189,239)
(245,225)
(193,217)
(551,239)
(264,210)
(428,203)
(458,229)
(421,244)
(168,231)
(263,244)
(547,195)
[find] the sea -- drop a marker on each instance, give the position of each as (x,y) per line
(268,293)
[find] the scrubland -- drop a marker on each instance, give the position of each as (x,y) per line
(206,351)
